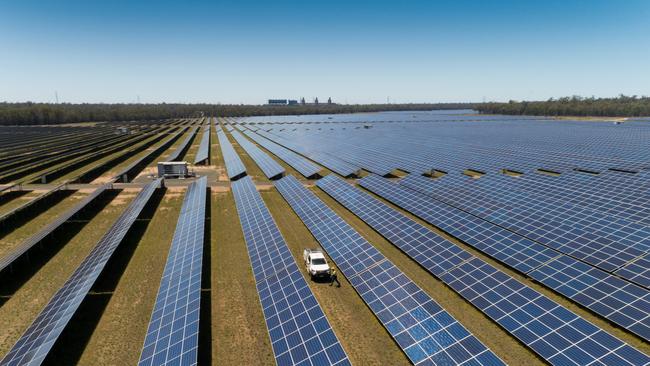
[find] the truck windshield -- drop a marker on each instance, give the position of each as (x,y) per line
(318,261)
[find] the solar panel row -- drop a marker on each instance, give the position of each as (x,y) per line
(299,331)
(443,259)
(34,345)
(180,150)
(173,332)
(424,331)
(296,161)
(268,165)
(203,153)
(466,228)
(234,167)
(603,241)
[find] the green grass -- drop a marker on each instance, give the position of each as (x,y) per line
(26,230)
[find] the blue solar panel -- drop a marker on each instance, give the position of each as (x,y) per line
(423,330)
(34,345)
(637,271)
(269,166)
(175,155)
(234,165)
(203,153)
(173,332)
(510,248)
(436,215)
(601,240)
(296,161)
(431,251)
(299,331)
(533,319)
(622,302)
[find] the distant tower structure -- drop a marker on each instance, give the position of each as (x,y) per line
(329,100)
(302,100)
(316,100)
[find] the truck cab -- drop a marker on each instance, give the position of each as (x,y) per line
(315,263)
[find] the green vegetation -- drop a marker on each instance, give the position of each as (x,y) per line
(47,113)
(622,106)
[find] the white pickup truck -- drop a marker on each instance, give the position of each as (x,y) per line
(316,263)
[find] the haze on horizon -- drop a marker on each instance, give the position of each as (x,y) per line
(361,52)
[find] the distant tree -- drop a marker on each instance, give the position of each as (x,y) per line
(621,106)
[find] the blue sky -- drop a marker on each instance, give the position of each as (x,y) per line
(353,51)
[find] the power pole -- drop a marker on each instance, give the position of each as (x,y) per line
(56,96)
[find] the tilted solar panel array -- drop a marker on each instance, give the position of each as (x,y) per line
(234,166)
(175,155)
(546,334)
(299,331)
(625,306)
(203,153)
(485,236)
(423,330)
(327,160)
(601,240)
(25,246)
(268,165)
(296,161)
(173,332)
(34,345)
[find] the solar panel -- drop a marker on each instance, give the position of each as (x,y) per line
(298,328)
(204,147)
(622,302)
(296,161)
(436,215)
(25,246)
(175,155)
(528,315)
(234,167)
(637,271)
(439,256)
(173,332)
(268,165)
(34,345)
(598,239)
(512,249)
(421,327)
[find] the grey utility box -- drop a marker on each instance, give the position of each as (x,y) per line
(173,169)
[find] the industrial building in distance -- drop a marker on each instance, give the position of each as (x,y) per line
(282,102)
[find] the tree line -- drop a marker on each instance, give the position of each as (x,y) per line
(621,106)
(48,113)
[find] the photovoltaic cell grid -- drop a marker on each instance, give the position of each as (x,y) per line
(268,165)
(34,345)
(204,147)
(637,271)
(425,331)
(601,240)
(173,333)
(299,331)
(447,219)
(234,166)
(440,256)
(296,161)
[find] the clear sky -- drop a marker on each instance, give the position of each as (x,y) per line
(354,51)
